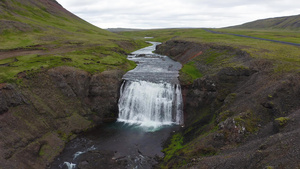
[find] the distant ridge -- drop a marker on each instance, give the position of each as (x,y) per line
(287,22)
(122,29)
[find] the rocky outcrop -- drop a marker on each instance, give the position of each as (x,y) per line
(9,97)
(235,116)
(49,108)
(185,51)
(99,92)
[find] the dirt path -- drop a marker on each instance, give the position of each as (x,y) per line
(277,41)
(22,52)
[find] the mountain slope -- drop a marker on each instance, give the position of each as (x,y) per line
(288,22)
(32,15)
(34,28)
(46,21)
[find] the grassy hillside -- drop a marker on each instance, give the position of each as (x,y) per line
(288,22)
(285,58)
(292,36)
(38,34)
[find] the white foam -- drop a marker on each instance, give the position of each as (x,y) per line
(70,165)
(150,104)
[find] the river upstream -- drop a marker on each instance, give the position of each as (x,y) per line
(150,109)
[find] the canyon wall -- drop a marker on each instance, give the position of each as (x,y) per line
(240,113)
(46,110)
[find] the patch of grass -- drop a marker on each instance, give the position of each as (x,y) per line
(269,167)
(90,63)
(247,120)
(6,61)
(43,149)
(282,35)
(224,115)
(175,145)
(282,120)
(64,136)
(212,55)
(190,70)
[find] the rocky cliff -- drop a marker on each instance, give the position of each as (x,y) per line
(49,108)
(240,114)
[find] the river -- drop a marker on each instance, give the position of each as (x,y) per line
(150,109)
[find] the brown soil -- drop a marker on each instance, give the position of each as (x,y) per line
(41,50)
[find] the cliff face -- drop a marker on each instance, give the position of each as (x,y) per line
(235,115)
(49,108)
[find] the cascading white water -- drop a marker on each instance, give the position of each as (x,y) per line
(150,104)
(151,95)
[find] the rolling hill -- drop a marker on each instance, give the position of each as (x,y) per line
(35,16)
(41,33)
(287,22)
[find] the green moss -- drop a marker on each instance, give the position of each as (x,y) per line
(212,55)
(247,120)
(224,115)
(189,73)
(175,145)
(64,136)
(282,120)
(43,149)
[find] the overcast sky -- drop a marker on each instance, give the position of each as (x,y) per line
(177,13)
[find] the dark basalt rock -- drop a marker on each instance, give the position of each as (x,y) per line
(10,97)
(50,108)
(240,104)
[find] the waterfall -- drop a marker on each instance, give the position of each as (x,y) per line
(150,104)
(150,94)
(150,98)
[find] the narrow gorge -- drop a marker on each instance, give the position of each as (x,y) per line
(150,109)
(239,113)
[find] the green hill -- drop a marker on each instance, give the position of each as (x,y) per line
(41,33)
(288,22)
(43,19)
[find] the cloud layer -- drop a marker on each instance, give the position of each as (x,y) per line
(177,13)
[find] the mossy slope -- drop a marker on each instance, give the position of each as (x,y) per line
(42,34)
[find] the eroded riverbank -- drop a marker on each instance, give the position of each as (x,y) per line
(150,109)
